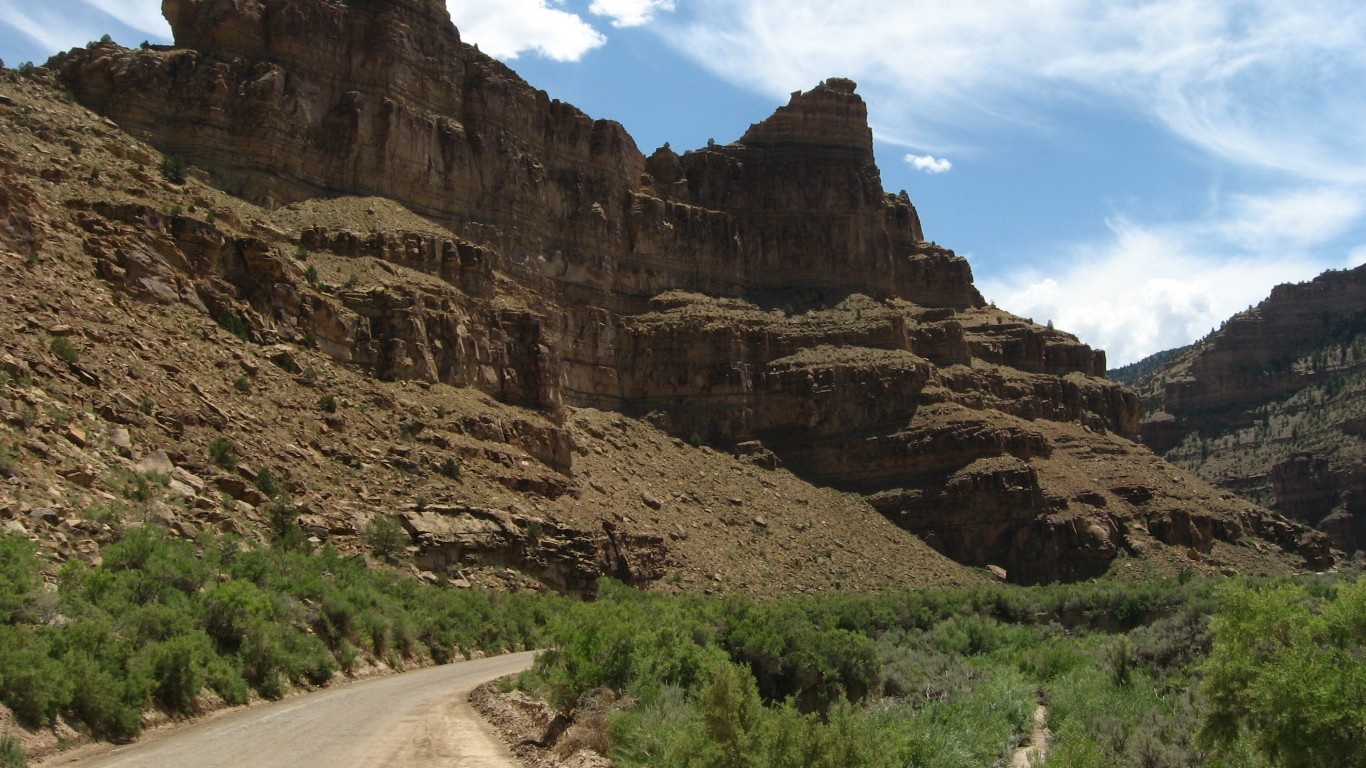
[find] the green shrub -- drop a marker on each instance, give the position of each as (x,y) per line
(32,683)
(328,403)
(242,385)
(177,668)
(12,754)
(108,701)
(268,483)
(173,168)
(19,578)
(1286,673)
(223,453)
(63,348)
(385,537)
(235,324)
(9,462)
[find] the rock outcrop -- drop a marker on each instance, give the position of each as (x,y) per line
(766,292)
(1272,405)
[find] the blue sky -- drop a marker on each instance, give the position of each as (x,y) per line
(1135,172)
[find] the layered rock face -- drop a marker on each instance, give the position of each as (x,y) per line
(766,292)
(1272,405)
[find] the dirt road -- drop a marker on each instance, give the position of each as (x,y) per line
(416,720)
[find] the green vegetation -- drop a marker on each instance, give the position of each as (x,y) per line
(63,348)
(163,622)
(241,384)
(235,324)
(385,537)
(1287,672)
(268,483)
(1132,375)
(451,468)
(223,453)
(953,678)
(328,403)
(12,753)
(1160,674)
(173,168)
(9,462)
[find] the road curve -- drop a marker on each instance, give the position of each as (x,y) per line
(415,719)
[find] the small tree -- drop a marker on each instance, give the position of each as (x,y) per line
(385,537)
(173,169)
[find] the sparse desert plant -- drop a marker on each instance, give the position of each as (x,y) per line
(223,453)
(385,537)
(63,348)
(328,403)
(9,462)
(268,483)
(234,324)
(12,754)
(451,468)
(173,169)
(242,385)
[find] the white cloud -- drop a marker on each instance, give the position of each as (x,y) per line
(506,29)
(60,25)
(1295,219)
(1269,84)
(1355,258)
(140,15)
(630,13)
(1154,287)
(929,163)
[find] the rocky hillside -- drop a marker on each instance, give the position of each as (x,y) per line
(1273,405)
(547,352)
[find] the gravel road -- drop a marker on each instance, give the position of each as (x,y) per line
(415,719)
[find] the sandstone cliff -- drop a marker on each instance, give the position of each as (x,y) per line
(1273,404)
(765,297)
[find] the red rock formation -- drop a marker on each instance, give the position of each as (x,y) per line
(1269,405)
(764,290)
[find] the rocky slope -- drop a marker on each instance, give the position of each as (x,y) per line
(643,364)
(1273,405)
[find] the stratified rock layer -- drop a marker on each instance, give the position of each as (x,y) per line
(766,292)
(1273,405)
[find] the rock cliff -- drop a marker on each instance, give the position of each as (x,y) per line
(429,217)
(1272,405)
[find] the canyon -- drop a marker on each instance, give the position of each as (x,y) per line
(739,367)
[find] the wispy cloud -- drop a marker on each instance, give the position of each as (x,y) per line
(140,15)
(1154,286)
(1266,92)
(60,25)
(1264,83)
(929,163)
(505,29)
(630,13)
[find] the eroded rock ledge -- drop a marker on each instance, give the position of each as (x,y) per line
(766,292)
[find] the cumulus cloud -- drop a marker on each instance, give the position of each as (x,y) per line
(1150,287)
(630,13)
(929,163)
(505,29)
(1270,84)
